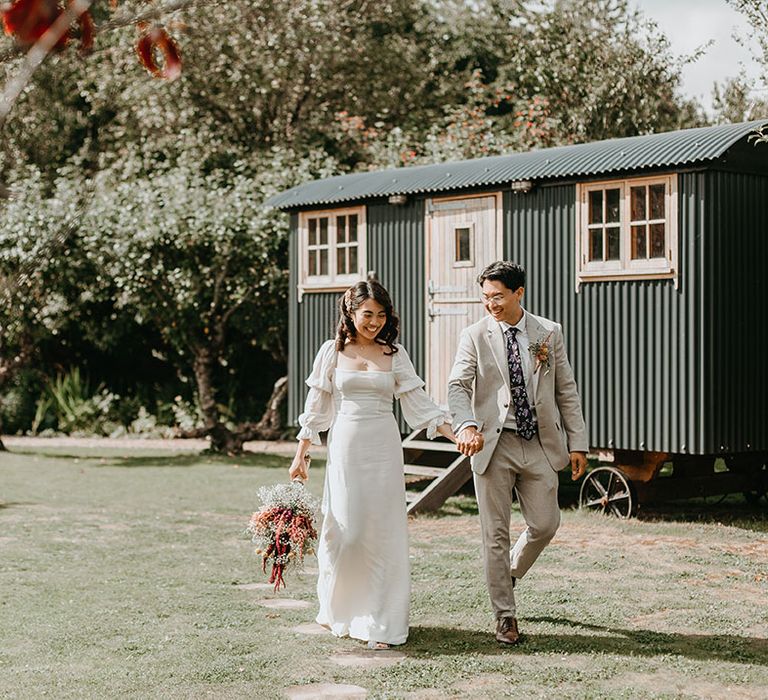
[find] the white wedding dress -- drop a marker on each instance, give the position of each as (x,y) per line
(363,583)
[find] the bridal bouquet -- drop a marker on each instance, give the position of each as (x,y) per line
(284,529)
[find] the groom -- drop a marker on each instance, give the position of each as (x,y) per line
(512,380)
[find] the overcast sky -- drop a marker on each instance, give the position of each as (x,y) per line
(691,23)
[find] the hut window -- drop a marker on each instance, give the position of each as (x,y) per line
(627,229)
(463,244)
(332,245)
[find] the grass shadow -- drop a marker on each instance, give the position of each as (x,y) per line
(732,510)
(429,642)
(15,504)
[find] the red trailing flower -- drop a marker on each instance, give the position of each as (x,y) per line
(153,41)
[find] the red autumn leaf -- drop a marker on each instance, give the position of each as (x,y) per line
(87,31)
(156,41)
(28,20)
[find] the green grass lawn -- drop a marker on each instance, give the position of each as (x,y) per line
(118,576)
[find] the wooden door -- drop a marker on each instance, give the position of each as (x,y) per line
(463,237)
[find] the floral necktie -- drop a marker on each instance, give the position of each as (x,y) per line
(523,416)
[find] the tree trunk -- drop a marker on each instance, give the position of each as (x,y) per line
(219,434)
(3,448)
(223,439)
(270,425)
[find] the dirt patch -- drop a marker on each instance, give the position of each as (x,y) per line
(255,586)
(368,659)
(482,685)
(325,690)
(311,628)
(429,529)
(685,686)
(284,604)
(579,536)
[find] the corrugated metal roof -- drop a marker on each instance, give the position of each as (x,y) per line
(634,153)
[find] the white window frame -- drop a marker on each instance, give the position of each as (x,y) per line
(625,268)
(331,282)
(465,263)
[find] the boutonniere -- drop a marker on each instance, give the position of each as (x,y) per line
(540,353)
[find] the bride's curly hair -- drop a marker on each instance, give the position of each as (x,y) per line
(352,300)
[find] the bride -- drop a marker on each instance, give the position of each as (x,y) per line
(364,574)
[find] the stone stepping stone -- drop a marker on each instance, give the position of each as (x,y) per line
(310,628)
(368,658)
(284,604)
(255,586)
(325,690)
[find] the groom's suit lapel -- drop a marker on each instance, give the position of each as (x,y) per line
(499,349)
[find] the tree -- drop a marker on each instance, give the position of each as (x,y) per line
(604,70)
(34,269)
(192,253)
(756,14)
(732,102)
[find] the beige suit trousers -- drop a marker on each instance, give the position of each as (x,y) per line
(516,464)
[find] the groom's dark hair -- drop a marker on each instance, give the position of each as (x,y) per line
(510,274)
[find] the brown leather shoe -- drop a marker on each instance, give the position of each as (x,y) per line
(506,630)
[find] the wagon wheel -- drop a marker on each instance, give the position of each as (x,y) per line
(606,489)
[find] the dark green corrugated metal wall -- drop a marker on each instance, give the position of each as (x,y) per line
(736,310)
(635,346)
(660,368)
(396,253)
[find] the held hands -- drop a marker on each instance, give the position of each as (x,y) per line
(578,465)
(470,441)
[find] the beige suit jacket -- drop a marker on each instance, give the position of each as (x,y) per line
(478,390)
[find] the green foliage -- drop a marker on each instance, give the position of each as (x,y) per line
(18,401)
(756,14)
(733,102)
(75,407)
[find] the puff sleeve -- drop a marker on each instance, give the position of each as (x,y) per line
(319,408)
(418,409)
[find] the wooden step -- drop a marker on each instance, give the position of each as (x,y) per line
(430,446)
(423,471)
(442,487)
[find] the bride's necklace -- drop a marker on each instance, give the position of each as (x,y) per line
(363,353)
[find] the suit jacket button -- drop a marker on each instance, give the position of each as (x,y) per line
(498,430)
(506,405)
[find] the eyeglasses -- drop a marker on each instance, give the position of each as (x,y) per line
(493,299)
